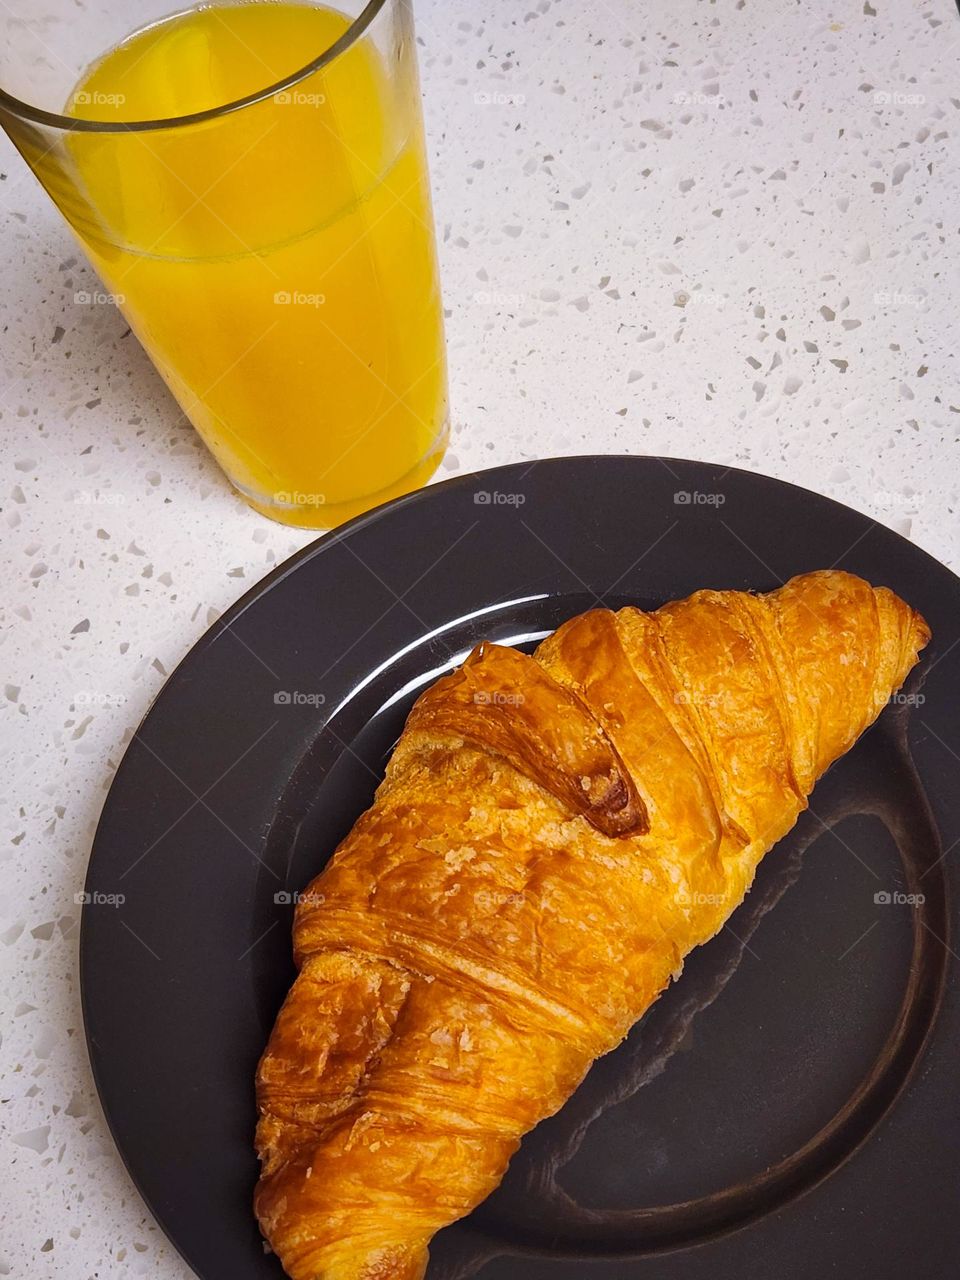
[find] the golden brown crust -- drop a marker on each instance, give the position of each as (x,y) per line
(507,702)
(552,836)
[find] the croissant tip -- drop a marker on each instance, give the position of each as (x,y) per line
(921,630)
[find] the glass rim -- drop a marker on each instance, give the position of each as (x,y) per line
(55,120)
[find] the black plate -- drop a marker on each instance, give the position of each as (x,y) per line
(789,1108)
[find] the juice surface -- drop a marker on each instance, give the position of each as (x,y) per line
(277,262)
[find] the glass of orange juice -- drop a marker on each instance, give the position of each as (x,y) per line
(249,181)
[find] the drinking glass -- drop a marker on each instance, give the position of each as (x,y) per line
(250,183)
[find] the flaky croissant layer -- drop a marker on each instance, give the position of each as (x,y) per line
(553,835)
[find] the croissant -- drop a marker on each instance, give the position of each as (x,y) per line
(553,834)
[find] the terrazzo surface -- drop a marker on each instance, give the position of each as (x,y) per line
(722,231)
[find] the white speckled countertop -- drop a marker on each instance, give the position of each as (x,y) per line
(726,232)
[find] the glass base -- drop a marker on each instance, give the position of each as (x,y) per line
(301,511)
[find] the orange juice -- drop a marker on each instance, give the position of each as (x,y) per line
(276,261)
